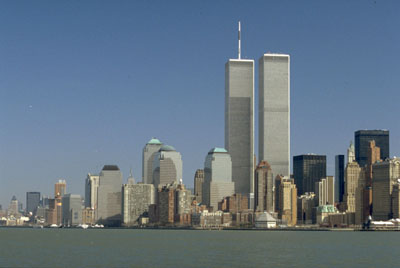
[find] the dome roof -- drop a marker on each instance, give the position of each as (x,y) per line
(217,150)
(154,141)
(167,148)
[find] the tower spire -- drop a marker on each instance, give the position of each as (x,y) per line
(239,42)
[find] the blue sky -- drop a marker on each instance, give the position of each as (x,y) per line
(88,83)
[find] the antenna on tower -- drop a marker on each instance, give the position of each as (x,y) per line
(239,42)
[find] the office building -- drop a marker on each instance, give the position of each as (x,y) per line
(362,139)
(136,200)
(217,177)
(91,186)
(264,188)
(339,178)
(396,200)
(355,181)
(167,166)
(198,185)
(149,151)
(60,188)
(32,202)
(325,191)
(286,200)
(239,121)
(13,207)
(307,170)
(305,208)
(71,210)
(274,112)
(386,174)
(351,153)
(109,196)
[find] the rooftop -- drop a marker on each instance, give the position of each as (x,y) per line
(154,141)
(167,148)
(110,167)
(217,150)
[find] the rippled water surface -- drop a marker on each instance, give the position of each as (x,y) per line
(189,248)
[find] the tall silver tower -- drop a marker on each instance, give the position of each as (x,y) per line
(274,112)
(239,121)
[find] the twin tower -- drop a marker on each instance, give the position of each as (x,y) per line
(273,117)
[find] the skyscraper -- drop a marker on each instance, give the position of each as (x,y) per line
(239,121)
(109,196)
(217,177)
(325,191)
(274,112)
(91,186)
(307,170)
(60,188)
(71,209)
(32,202)
(264,188)
(339,178)
(167,166)
(198,184)
(149,151)
(362,138)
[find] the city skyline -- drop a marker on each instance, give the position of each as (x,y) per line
(58,124)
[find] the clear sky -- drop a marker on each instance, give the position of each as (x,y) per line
(88,83)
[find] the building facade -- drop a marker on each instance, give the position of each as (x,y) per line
(264,188)
(362,139)
(274,112)
(217,177)
(287,200)
(339,178)
(32,202)
(109,196)
(198,185)
(325,191)
(167,166)
(91,186)
(239,122)
(71,210)
(307,170)
(149,152)
(136,200)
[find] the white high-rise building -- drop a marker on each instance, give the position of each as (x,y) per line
(149,151)
(91,185)
(217,177)
(274,112)
(239,121)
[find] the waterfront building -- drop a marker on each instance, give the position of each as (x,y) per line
(239,121)
(149,152)
(235,203)
(198,185)
(362,139)
(60,188)
(264,220)
(88,216)
(109,196)
(71,210)
(217,177)
(339,178)
(32,202)
(305,208)
(136,200)
(13,207)
(287,200)
(396,200)
(91,186)
(385,175)
(307,170)
(167,166)
(51,212)
(325,191)
(355,179)
(264,188)
(274,112)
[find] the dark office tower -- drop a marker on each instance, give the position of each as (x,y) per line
(32,202)
(198,185)
(339,178)
(362,139)
(307,170)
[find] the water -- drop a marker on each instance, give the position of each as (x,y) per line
(188,248)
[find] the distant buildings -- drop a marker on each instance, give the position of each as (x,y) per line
(325,191)
(149,152)
(198,185)
(136,199)
(109,196)
(71,210)
(339,178)
(274,112)
(60,188)
(32,202)
(264,188)
(167,166)
(13,207)
(286,200)
(217,177)
(362,138)
(91,187)
(307,170)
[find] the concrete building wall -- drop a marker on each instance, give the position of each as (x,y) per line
(91,186)
(353,176)
(167,168)
(239,122)
(149,152)
(274,112)
(198,185)
(264,188)
(136,201)
(71,210)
